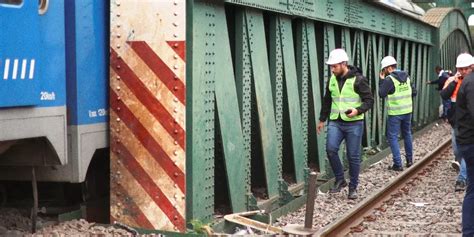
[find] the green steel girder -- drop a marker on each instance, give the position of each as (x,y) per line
(293,100)
(201,116)
(317,90)
(353,14)
(261,80)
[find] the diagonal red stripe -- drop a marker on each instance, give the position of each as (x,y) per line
(179,47)
(161,70)
(145,138)
(148,99)
(132,209)
(149,186)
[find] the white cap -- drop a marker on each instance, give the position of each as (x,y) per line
(337,56)
(387,61)
(464,60)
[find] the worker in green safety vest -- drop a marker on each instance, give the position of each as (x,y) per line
(395,85)
(347,97)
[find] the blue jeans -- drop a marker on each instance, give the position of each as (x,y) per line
(446,106)
(394,123)
(467,152)
(462,170)
(351,132)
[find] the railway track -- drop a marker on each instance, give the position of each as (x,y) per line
(393,210)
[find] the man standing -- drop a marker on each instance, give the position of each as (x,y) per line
(449,92)
(442,77)
(346,99)
(465,140)
(396,86)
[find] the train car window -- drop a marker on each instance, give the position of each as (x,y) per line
(11,2)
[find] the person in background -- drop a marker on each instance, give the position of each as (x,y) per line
(396,86)
(347,97)
(443,75)
(449,92)
(464,127)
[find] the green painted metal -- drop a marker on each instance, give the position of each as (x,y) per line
(293,100)
(353,14)
(229,118)
(261,81)
(317,92)
(255,82)
(200,116)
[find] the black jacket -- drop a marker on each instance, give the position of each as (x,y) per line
(441,80)
(386,86)
(361,87)
(465,111)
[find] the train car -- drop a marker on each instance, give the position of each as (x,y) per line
(54,66)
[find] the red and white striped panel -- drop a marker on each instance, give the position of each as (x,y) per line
(147,113)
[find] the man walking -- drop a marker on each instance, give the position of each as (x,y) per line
(464,129)
(449,92)
(396,86)
(346,99)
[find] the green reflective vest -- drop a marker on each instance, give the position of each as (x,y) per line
(400,102)
(343,100)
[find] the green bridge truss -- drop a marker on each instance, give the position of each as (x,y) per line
(255,81)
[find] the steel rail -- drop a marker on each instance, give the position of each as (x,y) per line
(343,225)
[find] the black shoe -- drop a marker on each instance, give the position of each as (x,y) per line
(409,163)
(352,193)
(395,168)
(460,186)
(338,185)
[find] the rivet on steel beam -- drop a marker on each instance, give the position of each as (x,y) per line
(118,4)
(118,66)
(118,88)
(119,204)
(175,185)
(118,108)
(175,228)
(118,98)
(118,25)
(118,46)
(118,119)
(118,14)
(175,218)
(117,130)
(175,67)
(175,14)
(118,35)
(175,174)
(175,45)
(175,162)
(175,110)
(175,100)
(175,88)
(175,24)
(175,56)
(175,3)
(176,142)
(118,141)
(175,152)
(118,77)
(176,77)
(175,35)
(176,196)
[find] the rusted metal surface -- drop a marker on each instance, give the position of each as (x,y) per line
(147,114)
(239,218)
(349,223)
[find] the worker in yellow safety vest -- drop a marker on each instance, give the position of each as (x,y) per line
(395,85)
(346,99)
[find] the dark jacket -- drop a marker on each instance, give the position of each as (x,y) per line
(441,80)
(361,87)
(386,86)
(465,111)
(446,95)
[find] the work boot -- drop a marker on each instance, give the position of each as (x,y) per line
(395,168)
(455,165)
(338,185)
(352,193)
(460,186)
(409,163)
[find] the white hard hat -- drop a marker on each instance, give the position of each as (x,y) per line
(387,61)
(337,56)
(464,60)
